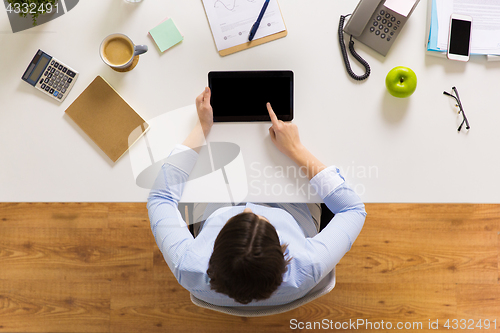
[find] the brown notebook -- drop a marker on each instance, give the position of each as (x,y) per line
(107,119)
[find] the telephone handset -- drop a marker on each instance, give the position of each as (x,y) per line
(375,25)
(361,16)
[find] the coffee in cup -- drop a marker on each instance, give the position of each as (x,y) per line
(118,51)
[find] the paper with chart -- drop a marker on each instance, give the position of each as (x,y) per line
(231,20)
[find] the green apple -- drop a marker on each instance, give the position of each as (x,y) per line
(401,81)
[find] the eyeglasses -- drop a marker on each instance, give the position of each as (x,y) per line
(459,105)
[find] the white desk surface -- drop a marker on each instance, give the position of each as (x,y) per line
(391,150)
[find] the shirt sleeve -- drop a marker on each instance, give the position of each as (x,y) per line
(333,242)
(169,229)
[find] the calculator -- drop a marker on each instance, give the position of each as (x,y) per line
(50,76)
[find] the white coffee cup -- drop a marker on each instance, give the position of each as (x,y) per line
(118,51)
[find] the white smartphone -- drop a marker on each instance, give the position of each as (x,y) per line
(459,37)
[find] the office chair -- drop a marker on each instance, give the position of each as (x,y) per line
(322,288)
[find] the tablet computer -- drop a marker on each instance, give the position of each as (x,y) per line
(243,95)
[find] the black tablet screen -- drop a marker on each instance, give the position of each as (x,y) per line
(242,96)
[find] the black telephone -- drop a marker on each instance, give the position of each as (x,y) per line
(375,25)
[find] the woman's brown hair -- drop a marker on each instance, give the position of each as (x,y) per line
(248,261)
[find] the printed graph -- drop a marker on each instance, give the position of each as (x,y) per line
(230,7)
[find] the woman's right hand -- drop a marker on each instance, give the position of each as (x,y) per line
(285,136)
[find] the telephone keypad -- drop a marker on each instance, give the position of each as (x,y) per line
(384,22)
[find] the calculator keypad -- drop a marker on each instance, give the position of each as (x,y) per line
(385,25)
(57,80)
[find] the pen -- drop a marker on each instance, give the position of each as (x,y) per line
(255,26)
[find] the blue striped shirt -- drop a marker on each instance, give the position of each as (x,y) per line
(312,257)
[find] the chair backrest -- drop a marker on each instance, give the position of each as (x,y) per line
(322,288)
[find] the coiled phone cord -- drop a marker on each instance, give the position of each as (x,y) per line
(353,52)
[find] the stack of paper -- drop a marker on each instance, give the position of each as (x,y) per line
(485,37)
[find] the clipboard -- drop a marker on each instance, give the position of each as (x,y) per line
(250,44)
